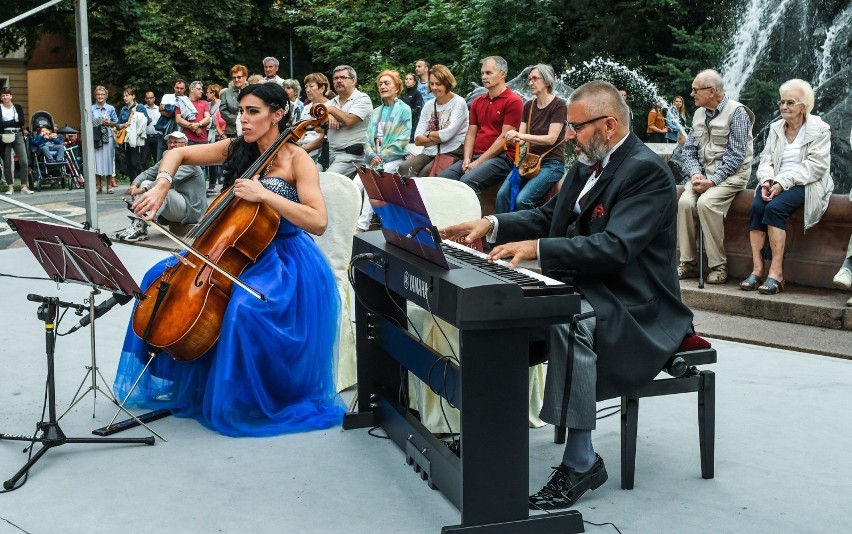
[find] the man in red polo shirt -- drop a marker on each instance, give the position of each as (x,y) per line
(194,125)
(499,110)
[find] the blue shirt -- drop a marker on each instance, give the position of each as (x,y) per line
(423,87)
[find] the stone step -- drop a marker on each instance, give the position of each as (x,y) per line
(823,308)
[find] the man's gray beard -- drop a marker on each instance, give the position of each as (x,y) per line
(594,151)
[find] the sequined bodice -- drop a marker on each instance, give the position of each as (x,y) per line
(280,186)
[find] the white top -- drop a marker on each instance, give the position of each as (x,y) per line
(10,113)
(358,104)
(453,121)
(791,159)
(154,113)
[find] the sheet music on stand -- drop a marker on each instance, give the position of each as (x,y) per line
(405,220)
(78,256)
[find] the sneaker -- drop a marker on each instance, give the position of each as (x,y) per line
(10,190)
(843,278)
(687,269)
(27,191)
(718,274)
(138,231)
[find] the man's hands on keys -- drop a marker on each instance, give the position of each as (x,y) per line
(466,232)
(518,251)
(470,231)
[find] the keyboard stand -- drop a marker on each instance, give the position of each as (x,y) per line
(489,481)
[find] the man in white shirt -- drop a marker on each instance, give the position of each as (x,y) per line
(270,70)
(347,122)
(152,148)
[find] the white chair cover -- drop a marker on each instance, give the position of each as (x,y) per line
(343,203)
(451,202)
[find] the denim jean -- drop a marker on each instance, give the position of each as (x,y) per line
(480,177)
(56,152)
(532,190)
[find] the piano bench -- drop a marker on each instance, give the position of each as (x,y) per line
(685,378)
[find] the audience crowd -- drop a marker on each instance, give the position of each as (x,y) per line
(420,127)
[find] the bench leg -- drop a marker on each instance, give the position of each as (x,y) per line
(558,434)
(629,429)
(707,421)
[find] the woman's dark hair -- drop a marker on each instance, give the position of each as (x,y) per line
(242,154)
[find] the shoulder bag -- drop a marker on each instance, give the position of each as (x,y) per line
(441,161)
(531,164)
(121,133)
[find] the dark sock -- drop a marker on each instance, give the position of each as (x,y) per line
(579,453)
(848,263)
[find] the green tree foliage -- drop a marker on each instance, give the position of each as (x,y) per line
(370,35)
(149,43)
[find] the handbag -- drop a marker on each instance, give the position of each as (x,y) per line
(7,138)
(531,164)
(440,163)
(121,134)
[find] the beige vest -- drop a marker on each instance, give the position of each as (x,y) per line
(712,140)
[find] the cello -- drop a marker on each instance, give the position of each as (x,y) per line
(181,312)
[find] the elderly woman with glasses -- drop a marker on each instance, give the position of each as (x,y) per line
(542,130)
(793,172)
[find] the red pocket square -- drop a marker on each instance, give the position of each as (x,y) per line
(598,212)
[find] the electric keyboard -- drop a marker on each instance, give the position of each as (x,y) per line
(473,291)
(494,309)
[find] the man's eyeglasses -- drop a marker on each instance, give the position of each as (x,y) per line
(338,78)
(574,128)
(696,89)
(788,103)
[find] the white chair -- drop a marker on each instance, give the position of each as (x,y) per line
(343,204)
(451,202)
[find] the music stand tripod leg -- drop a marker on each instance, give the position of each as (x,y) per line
(92,370)
(51,434)
(121,405)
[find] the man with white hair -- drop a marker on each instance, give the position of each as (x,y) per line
(195,117)
(717,158)
(185,202)
(270,70)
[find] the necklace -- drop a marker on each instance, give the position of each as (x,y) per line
(269,166)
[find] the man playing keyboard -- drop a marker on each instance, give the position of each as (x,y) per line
(612,232)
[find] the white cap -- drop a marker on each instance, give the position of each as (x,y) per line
(177,134)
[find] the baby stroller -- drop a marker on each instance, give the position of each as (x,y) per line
(44,171)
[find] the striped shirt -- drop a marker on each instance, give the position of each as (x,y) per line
(734,155)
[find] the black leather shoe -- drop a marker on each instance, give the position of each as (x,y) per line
(566,486)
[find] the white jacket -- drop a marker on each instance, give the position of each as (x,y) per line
(137,130)
(814,173)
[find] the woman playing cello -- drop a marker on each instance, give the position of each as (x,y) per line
(271,370)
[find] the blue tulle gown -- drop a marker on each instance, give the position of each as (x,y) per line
(272,369)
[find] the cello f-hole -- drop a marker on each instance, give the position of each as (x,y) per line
(198,282)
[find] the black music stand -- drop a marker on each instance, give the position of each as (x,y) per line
(69,255)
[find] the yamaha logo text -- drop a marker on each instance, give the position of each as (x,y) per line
(416,285)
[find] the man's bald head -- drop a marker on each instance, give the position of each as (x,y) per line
(601,98)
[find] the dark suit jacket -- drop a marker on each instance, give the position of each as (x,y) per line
(622,258)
